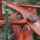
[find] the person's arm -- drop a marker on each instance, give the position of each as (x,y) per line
(36,28)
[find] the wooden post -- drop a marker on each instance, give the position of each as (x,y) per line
(0,7)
